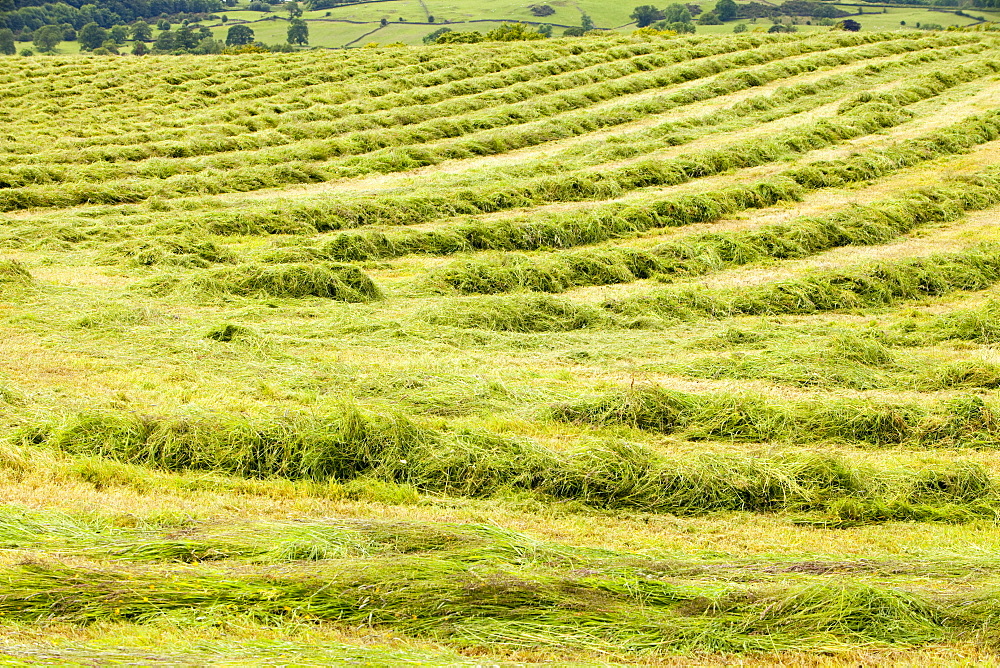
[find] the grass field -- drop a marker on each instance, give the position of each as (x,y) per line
(654,351)
(408,21)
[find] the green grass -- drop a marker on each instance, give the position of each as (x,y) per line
(614,349)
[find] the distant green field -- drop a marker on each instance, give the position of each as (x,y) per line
(408,20)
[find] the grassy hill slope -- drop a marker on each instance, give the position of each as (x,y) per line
(608,349)
(408,21)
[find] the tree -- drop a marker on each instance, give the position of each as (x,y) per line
(165,42)
(850,25)
(677,13)
(141,31)
(91,36)
(740,27)
(645,15)
(47,37)
(298,32)
(450,37)
(163,24)
(109,46)
(679,27)
(119,33)
(513,32)
(7,46)
(185,38)
(239,35)
(208,46)
(294,11)
(432,38)
(384,22)
(726,9)
(139,48)
(586,22)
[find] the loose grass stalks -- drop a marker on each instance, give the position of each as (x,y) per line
(407,79)
(846,360)
(185,251)
(876,284)
(284,165)
(155,540)
(406,156)
(619,614)
(780,103)
(344,283)
(876,223)
(622,220)
(95,535)
(14,274)
(871,285)
(965,421)
(614,474)
(980,325)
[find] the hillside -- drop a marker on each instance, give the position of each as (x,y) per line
(205,26)
(609,349)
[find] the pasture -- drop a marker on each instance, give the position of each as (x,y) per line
(409,21)
(607,349)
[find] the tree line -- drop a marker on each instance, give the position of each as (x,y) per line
(188,38)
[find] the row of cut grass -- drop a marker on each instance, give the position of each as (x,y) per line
(277,126)
(603,184)
(876,284)
(624,613)
(287,162)
(875,223)
(392,448)
(624,220)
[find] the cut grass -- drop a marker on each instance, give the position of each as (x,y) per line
(876,223)
(877,284)
(618,220)
(344,283)
(625,613)
(229,448)
(615,474)
(13,274)
(961,422)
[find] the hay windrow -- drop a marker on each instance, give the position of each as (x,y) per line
(617,474)
(14,274)
(338,282)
